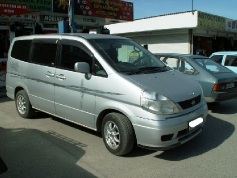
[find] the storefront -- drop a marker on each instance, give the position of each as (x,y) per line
(26,17)
(191,32)
(214,33)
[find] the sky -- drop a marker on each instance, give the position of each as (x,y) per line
(148,8)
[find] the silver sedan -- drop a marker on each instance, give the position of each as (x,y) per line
(218,82)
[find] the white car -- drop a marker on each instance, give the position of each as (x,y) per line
(226,58)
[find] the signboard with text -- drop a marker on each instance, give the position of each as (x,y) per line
(16,7)
(116,10)
(112,9)
(210,21)
(26,19)
(231,25)
(51,18)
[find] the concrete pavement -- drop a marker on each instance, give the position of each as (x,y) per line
(46,146)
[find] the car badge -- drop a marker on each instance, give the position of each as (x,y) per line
(191,94)
(193,102)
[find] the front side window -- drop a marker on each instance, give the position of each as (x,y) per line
(231,60)
(127,57)
(44,53)
(186,67)
(71,54)
(217,58)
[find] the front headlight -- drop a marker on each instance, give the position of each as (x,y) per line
(157,103)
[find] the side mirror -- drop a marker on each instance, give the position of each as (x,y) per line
(82,67)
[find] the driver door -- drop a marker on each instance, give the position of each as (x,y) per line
(74,99)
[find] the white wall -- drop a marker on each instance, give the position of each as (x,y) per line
(172,43)
(171,21)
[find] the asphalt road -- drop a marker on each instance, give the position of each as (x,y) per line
(49,147)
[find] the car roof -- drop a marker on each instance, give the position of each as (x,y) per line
(180,55)
(225,52)
(93,36)
(82,35)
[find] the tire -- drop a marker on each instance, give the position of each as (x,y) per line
(118,134)
(23,105)
(214,104)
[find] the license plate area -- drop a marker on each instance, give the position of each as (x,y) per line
(230,85)
(195,123)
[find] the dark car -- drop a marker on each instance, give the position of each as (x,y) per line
(218,82)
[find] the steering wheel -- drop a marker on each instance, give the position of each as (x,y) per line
(136,62)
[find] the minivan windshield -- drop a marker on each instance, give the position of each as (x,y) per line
(128,57)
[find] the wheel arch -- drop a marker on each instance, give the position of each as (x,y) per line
(17,89)
(104,113)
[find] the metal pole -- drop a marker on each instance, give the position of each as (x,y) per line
(71,15)
(192,6)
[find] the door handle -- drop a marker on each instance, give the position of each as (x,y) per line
(61,77)
(49,74)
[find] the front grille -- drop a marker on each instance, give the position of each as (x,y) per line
(182,133)
(190,103)
(190,134)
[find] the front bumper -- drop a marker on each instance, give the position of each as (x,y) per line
(167,134)
(221,96)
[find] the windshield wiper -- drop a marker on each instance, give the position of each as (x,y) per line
(146,70)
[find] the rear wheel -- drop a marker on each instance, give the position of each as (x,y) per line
(118,134)
(23,104)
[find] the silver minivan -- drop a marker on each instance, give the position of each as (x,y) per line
(106,83)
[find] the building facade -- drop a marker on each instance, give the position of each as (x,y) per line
(193,32)
(26,17)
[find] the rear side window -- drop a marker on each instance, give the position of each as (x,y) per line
(21,50)
(44,53)
(231,60)
(217,58)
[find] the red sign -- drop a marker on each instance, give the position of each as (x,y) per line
(10,9)
(114,9)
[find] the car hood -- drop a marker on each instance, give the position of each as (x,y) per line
(172,84)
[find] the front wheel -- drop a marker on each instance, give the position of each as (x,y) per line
(118,134)
(23,104)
